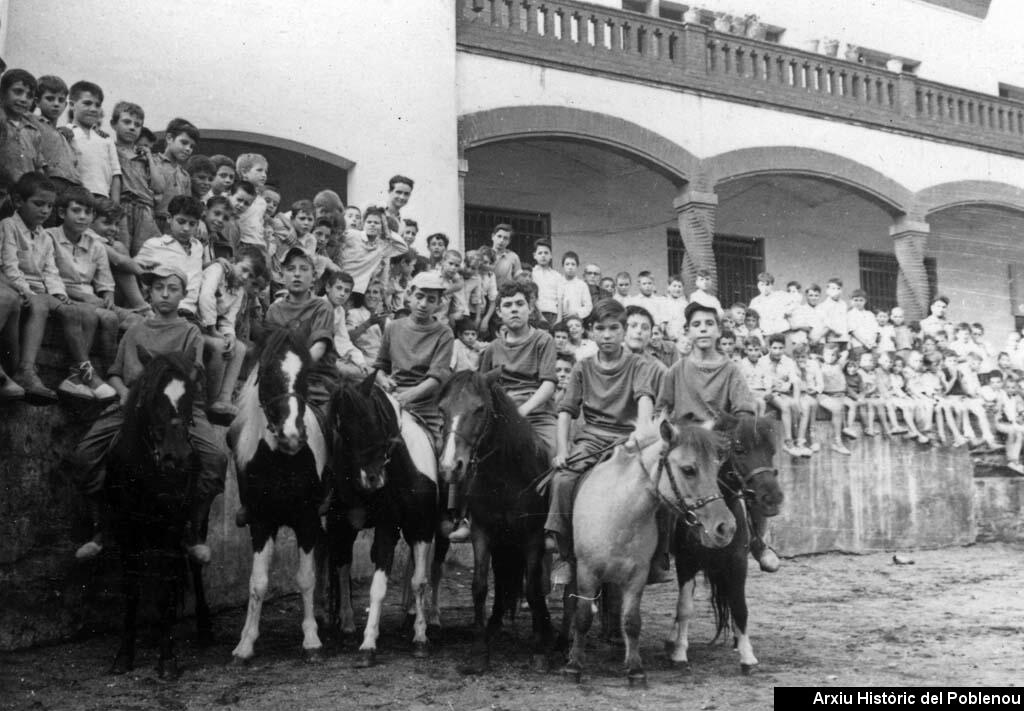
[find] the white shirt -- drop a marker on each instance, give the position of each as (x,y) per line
(772,311)
(576,299)
(97,159)
(168,251)
(549,289)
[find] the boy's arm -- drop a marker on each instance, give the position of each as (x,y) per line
(207,302)
(542,395)
(119,387)
(51,275)
(10,261)
(562,439)
(103,278)
(115,189)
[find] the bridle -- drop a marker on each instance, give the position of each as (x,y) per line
(743,491)
(474,447)
(685,510)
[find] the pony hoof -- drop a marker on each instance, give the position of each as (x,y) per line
(313,656)
(168,670)
(240,662)
(367,659)
(539,663)
(747,669)
(573,672)
(637,678)
(420,650)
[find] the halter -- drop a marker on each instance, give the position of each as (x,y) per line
(682,508)
(744,491)
(474,447)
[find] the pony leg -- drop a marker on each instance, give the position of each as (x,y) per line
(258,581)
(479,653)
(347,618)
(631,622)
(125,659)
(167,666)
(738,603)
(305,577)
(541,617)
(420,552)
(378,589)
(436,570)
(587,585)
(204,627)
(684,613)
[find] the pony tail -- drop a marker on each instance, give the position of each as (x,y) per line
(719,601)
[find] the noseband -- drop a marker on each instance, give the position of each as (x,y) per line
(685,510)
(743,491)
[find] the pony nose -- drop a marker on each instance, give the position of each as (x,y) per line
(725,530)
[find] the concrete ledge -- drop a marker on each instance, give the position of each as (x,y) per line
(887,494)
(999,508)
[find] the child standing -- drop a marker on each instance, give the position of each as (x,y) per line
(549,282)
(506,262)
(141,181)
(96,154)
(674,309)
(253,168)
(21,148)
(181,137)
(576,299)
(57,153)
(702,293)
(364,253)
(466,350)
(223,178)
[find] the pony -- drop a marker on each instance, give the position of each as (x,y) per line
(385,478)
(279,454)
(151,487)
(490,450)
(749,482)
(614,528)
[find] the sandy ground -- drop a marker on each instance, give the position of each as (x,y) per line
(954,617)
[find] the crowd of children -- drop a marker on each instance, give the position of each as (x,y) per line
(99,217)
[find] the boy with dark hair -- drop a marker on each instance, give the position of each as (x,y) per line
(98,164)
(623,284)
(366,253)
(833,313)
(506,262)
(437,245)
(57,153)
(415,357)
(27,264)
(223,175)
(141,181)
(770,305)
(862,323)
(614,391)
(410,228)
(179,248)
(549,282)
(181,137)
(576,299)
(702,293)
(106,225)
(21,148)
(399,192)
(165,332)
(201,172)
(782,389)
(466,349)
(702,386)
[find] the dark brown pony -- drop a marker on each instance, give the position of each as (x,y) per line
(490,451)
(749,482)
(152,474)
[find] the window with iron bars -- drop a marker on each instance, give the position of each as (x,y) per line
(738,261)
(527,227)
(879,273)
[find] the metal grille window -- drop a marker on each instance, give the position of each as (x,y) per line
(738,261)
(526,228)
(879,273)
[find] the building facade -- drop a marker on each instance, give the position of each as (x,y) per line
(881,142)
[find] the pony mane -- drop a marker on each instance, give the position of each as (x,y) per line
(757,429)
(282,339)
(349,406)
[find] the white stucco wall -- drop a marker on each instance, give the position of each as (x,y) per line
(708,127)
(372,82)
(988,50)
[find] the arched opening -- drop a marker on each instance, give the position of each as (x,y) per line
(299,170)
(608,206)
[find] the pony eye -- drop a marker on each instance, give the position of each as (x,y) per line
(689,471)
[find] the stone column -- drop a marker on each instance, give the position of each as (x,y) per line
(460,238)
(909,240)
(695,212)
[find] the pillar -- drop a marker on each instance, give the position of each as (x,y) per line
(909,240)
(695,212)
(460,238)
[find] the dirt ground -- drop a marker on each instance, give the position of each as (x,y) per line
(956,616)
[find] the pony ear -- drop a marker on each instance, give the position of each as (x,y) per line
(492,375)
(145,356)
(666,430)
(366,387)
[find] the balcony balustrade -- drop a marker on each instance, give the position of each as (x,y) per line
(593,39)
